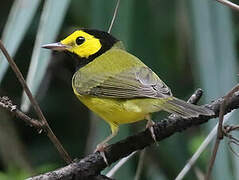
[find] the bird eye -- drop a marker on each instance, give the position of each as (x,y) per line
(80,40)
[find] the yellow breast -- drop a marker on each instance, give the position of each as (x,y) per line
(114,110)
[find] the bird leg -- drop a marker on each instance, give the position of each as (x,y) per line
(101,146)
(149,125)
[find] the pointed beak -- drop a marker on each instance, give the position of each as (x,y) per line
(55,46)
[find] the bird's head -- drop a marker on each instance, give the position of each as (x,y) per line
(86,44)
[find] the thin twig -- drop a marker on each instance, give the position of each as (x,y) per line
(228,128)
(219,130)
(229,4)
(214,154)
(7,104)
(36,107)
(195,97)
(119,165)
(114,16)
(232,140)
(230,146)
(140,165)
(199,151)
(217,142)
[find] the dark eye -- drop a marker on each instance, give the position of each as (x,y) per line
(80,40)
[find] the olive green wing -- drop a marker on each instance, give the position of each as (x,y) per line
(134,82)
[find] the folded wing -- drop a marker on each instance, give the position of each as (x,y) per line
(137,82)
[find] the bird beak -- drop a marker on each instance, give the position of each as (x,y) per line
(55,46)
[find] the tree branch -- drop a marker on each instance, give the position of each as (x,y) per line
(36,107)
(93,164)
(219,131)
(7,104)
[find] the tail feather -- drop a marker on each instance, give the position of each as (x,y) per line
(184,109)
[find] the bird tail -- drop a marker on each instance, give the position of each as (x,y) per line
(184,109)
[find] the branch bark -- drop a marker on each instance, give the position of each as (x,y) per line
(7,104)
(93,164)
(219,131)
(36,107)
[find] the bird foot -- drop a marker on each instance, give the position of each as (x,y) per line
(149,126)
(101,149)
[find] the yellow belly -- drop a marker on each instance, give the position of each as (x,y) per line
(114,110)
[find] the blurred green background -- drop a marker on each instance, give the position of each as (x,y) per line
(188,43)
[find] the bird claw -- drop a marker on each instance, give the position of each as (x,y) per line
(102,153)
(149,126)
(101,149)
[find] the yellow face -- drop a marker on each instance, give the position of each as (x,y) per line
(82,44)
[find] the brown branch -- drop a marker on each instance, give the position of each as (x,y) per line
(195,97)
(36,107)
(228,128)
(7,104)
(93,164)
(219,130)
(232,140)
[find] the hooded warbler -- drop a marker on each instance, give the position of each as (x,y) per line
(115,84)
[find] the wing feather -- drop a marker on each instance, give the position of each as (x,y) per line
(132,83)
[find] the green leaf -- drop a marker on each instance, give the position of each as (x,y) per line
(18,21)
(51,19)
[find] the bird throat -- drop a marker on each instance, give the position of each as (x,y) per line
(82,61)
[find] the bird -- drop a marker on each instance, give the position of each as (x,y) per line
(116,85)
